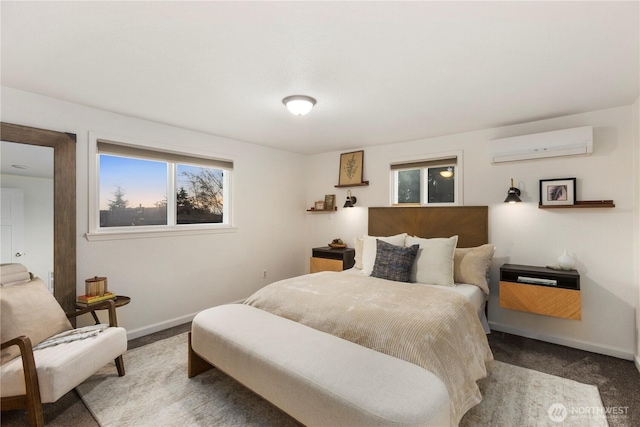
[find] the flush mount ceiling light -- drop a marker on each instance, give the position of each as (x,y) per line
(447,173)
(299,104)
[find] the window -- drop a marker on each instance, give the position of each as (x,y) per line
(138,190)
(432,181)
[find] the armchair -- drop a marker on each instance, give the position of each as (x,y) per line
(32,375)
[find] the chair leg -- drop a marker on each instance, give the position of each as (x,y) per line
(34,408)
(120,365)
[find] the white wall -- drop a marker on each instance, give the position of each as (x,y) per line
(38,221)
(602,240)
(172,278)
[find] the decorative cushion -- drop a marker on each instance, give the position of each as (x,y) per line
(29,309)
(470,265)
(434,262)
(358,244)
(394,262)
(370,248)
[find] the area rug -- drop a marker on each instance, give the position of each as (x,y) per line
(156,392)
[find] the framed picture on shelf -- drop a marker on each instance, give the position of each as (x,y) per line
(559,191)
(351,168)
(319,205)
(329,201)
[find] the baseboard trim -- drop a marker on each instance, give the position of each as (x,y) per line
(581,345)
(637,361)
(161,326)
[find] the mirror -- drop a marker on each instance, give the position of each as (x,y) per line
(64,203)
(27,207)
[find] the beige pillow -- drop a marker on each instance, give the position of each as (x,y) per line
(434,262)
(29,309)
(369,249)
(470,265)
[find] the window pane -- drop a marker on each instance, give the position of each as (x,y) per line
(132,192)
(440,186)
(409,186)
(199,195)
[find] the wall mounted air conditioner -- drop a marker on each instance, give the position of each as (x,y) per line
(566,142)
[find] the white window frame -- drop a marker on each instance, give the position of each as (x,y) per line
(413,163)
(97,233)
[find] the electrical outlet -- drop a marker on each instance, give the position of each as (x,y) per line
(264,274)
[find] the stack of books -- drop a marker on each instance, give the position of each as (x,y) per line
(92,299)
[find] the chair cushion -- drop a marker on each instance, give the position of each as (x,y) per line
(63,367)
(29,309)
(13,274)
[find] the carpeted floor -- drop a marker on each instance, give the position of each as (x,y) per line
(618,380)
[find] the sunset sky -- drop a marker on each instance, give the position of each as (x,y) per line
(144,182)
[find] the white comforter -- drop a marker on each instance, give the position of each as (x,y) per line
(433,328)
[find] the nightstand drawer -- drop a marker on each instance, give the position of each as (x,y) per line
(328,259)
(555,302)
(324,264)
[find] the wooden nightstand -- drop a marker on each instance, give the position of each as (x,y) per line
(328,259)
(540,290)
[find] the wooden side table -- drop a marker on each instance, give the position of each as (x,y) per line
(119,301)
(540,290)
(329,259)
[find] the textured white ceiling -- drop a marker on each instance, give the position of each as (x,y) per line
(381,71)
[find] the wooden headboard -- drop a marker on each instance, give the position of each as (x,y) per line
(470,223)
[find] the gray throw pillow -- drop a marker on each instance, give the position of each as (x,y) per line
(394,262)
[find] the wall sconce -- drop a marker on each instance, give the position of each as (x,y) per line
(513,195)
(299,104)
(351,200)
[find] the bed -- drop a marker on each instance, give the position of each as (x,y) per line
(435,326)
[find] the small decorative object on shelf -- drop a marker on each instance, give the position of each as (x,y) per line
(329,201)
(87,299)
(566,261)
(337,244)
(95,286)
(558,192)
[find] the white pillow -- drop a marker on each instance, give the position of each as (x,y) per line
(369,249)
(434,262)
(358,244)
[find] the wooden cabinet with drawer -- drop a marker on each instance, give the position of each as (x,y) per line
(540,290)
(329,259)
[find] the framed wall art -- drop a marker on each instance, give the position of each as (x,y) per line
(559,191)
(329,201)
(319,205)
(351,168)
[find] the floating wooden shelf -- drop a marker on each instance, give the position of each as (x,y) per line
(582,204)
(362,184)
(322,210)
